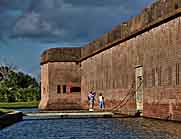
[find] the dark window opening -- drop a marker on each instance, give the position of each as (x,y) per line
(160,76)
(75,89)
(153,77)
(145,79)
(169,75)
(64,88)
(177,74)
(43,89)
(58,89)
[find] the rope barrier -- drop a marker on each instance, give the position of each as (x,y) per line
(130,94)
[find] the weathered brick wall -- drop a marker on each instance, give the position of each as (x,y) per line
(162,71)
(112,71)
(44,87)
(109,73)
(59,74)
(108,63)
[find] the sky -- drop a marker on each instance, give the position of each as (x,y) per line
(28,27)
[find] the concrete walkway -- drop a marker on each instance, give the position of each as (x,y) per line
(71,114)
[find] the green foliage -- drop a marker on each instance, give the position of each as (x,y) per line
(18,87)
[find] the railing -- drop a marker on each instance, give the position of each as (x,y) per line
(129,95)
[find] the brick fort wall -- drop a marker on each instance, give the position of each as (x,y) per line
(58,77)
(107,65)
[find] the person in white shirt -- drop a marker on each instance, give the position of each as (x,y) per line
(101,101)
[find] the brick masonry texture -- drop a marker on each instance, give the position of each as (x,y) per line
(60,54)
(111,71)
(59,74)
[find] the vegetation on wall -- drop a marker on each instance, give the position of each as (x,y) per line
(17,86)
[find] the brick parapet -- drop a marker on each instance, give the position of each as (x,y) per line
(149,16)
(61,55)
(158,13)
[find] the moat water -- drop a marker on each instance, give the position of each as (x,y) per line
(92,128)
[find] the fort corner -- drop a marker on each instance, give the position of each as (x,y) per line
(60,79)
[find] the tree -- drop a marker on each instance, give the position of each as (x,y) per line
(18,86)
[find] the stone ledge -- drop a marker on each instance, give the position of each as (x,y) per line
(70,115)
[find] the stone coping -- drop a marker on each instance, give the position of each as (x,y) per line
(60,54)
(71,114)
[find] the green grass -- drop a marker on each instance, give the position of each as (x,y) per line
(15,105)
(3,111)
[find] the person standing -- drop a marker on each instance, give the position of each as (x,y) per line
(101,102)
(91,99)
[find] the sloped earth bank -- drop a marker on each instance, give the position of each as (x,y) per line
(10,118)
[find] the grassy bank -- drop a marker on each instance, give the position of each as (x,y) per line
(3,111)
(16,105)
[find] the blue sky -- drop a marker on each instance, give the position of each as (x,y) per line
(28,27)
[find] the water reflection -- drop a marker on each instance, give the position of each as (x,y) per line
(127,128)
(24,110)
